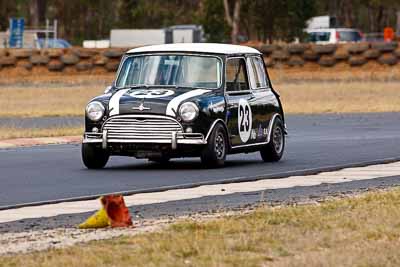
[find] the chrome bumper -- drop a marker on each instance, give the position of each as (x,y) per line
(176,138)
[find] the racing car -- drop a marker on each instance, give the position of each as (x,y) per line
(186,100)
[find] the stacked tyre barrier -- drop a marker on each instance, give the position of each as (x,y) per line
(288,55)
(59,60)
(329,55)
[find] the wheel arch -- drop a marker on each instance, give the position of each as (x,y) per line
(271,124)
(222,122)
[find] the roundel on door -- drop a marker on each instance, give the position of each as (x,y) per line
(244,120)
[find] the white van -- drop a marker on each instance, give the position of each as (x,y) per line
(334,35)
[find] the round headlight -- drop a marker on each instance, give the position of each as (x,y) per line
(188,111)
(95,110)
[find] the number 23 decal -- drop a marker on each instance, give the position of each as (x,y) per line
(244,120)
(153,93)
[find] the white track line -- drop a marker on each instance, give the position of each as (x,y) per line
(345,175)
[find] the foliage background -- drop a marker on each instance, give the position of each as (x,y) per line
(263,20)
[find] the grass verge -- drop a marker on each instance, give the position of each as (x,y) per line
(297,98)
(20,101)
(339,97)
(361,231)
(11,133)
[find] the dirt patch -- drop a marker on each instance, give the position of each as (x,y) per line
(371,71)
(305,97)
(40,78)
(358,230)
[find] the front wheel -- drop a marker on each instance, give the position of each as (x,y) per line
(94,157)
(273,151)
(214,154)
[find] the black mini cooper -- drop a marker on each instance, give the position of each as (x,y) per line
(186,100)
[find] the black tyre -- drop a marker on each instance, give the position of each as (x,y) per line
(160,160)
(273,151)
(94,157)
(214,154)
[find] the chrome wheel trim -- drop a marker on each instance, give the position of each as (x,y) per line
(220,145)
(278,140)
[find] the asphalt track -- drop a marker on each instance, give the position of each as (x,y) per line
(314,142)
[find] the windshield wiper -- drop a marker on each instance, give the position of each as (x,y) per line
(139,86)
(162,85)
(191,87)
(134,86)
(147,86)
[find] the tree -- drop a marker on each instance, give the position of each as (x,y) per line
(263,20)
(212,19)
(367,15)
(269,20)
(37,12)
(233,20)
(298,12)
(398,22)
(9,9)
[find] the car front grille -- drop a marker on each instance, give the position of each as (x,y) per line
(141,128)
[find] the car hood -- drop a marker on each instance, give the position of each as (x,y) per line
(160,101)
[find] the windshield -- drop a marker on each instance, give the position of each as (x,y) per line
(350,36)
(170,70)
(318,36)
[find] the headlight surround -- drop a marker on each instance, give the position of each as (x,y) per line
(95,111)
(188,111)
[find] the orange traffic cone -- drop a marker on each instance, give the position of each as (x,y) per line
(117,212)
(114,213)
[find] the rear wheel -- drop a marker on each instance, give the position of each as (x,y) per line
(214,154)
(94,157)
(273,151)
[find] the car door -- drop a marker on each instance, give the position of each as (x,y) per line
(240,102)
(264,101)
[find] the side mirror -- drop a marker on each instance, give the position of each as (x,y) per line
(108,89)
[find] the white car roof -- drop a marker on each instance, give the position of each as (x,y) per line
(197,48)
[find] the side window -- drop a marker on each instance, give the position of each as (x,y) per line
(258,77)
(236,75)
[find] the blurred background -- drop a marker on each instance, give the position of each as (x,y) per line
(323,56)
(242,21)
